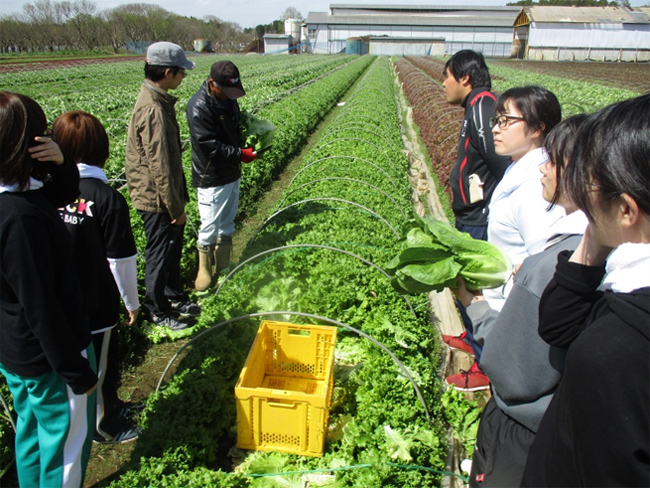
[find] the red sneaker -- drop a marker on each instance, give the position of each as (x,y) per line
(459,342)
(472,380)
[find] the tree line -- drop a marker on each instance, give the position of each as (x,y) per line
(49,26)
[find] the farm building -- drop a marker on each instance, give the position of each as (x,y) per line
(582,33)
(277,43)
(486,29)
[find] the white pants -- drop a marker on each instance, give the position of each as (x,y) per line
(217,208)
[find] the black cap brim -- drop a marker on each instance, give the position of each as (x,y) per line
(233,92)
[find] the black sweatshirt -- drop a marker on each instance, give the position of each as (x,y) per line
(100,226)
(596,431)
(42,317)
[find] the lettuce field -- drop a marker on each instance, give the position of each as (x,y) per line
(318,256)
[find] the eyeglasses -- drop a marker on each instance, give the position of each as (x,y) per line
(504,121)
(182,72)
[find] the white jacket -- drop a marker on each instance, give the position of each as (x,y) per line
(518,221)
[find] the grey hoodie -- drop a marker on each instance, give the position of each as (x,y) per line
(523,369)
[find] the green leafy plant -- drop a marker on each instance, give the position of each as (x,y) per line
(433,254)
(256,132)
(463,416)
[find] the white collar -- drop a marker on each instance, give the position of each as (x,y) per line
(89,171)
(628,268)
(33,184)
(524,169)
(574,223)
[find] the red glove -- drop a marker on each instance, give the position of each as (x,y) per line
(248,155)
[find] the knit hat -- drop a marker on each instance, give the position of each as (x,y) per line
(226,75)
(168,54)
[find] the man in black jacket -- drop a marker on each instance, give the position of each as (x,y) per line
(213,119)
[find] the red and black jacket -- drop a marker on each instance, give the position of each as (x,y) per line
(476,155)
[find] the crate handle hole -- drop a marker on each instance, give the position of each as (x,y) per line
(300,332)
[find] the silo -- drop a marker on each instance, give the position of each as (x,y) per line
(292,28)
(305,45)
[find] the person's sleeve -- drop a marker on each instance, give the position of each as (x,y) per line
(125,272)
(63,185)
(27,264)
(120,248)
(206,135)
(482,111)
(568,300)
(483,318)
(156,146)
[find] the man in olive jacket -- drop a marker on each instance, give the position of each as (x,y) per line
(157,186)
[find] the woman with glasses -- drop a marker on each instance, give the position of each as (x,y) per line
(518,220)
(46,353)
(596,431)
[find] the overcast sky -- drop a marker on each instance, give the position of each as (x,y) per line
(249,13)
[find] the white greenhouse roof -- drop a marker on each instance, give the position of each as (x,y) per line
(455,18)
(419,9)
(589,15)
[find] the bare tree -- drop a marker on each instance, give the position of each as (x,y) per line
(11,34)
(291,13)
(46,21)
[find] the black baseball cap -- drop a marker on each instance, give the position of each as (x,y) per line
(226,75)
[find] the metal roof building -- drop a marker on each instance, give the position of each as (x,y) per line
(582,33)
(485,29)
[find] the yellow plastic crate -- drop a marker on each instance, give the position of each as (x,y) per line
(284,391)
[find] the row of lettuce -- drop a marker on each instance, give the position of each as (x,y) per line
(321,253)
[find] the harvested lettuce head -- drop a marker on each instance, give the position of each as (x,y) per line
(433,254)
(256,132)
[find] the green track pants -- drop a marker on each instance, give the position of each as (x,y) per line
(54,429)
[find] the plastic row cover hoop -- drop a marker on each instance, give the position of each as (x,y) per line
(310,246)
(401,366)
(358,139)
(354,158)
(339,178)
(325,199)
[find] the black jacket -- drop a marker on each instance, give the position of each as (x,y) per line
(596,431)
(216,141)
(43,325)
(99,224)
(476,155)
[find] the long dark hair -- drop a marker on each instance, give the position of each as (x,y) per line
(539,107)
(612,156)
(21,120)
(559,144)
